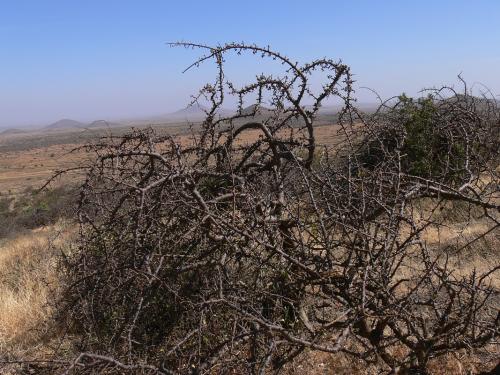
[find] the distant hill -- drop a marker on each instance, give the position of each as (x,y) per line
(332,109)
(197,112)
(190,114)
(12,131)
(103,124)
(64,124)
(193,113)
(194,109)
(258,110)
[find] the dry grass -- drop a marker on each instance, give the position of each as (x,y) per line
(453,238)
(461,363)
(471,242)
(28,282)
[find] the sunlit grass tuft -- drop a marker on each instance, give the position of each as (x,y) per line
(28,283)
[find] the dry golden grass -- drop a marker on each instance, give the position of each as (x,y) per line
(470,240)
(480,256)
(28,282)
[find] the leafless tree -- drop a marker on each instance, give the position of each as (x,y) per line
(237,250)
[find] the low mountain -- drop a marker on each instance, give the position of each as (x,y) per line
(334,109)
(192,113)
(12,131)
(65,124)
(256,109)
(103,124)
(195,109)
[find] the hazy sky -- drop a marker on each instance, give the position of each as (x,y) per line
(107,59)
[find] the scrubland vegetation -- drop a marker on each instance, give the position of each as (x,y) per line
(32,209)
(252,248)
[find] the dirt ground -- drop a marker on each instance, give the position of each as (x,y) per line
(29,160)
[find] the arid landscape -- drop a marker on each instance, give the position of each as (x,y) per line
(265,188)
(30,257)
(30,159)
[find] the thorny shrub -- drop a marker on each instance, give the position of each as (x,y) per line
(238,251)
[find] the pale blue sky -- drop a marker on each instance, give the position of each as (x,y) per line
(107,59)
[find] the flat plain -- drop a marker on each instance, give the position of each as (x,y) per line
(28,160)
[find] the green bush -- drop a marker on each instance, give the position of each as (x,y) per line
(425,135)
(427,148)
